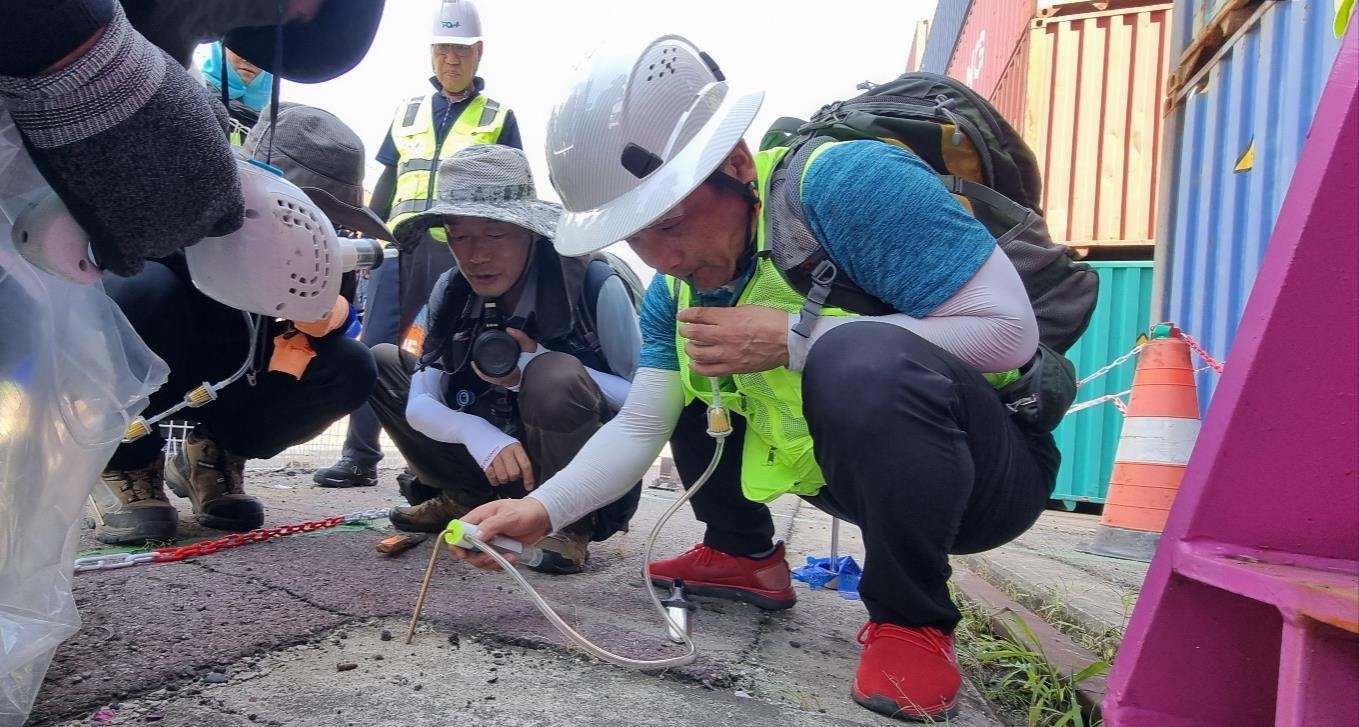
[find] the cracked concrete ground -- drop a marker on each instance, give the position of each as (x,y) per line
(266,634)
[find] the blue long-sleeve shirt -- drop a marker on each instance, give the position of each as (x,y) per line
(883,216)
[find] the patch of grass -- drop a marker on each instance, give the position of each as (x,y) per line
(1053,610)
(1016,678)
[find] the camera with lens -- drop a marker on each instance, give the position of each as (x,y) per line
(494,351)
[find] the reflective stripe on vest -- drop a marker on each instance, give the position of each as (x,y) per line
(419,151)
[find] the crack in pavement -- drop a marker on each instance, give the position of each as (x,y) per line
(257,581)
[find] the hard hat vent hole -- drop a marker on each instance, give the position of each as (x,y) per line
(251,213)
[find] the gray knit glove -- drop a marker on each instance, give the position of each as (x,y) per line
(133,146)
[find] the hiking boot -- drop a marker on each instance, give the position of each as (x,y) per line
(214,481)
(563,553)
(346,473)
(907,673)
(762,582)
(130,507)
(413,489)
(430,516)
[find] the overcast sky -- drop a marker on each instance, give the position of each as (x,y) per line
(801,53)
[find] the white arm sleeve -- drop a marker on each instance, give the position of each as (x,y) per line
(988,323)
(620,340)
(429,415)
(614,388)
(619,453)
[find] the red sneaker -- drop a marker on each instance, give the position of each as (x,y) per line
(907,673)
(762,582)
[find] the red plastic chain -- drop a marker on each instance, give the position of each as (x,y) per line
(168,555)
(1212,362)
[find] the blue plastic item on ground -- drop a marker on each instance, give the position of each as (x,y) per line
(819,572)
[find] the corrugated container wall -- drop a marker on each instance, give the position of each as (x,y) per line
(988,42)
(1092,114)
(1236,132)
(1088,439)
(1012,91)
(915,55)
(949,16)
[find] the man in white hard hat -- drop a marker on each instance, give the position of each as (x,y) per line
(426,129)
(886,421)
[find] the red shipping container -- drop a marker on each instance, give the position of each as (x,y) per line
(990,37)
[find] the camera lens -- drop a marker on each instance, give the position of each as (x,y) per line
(495,352)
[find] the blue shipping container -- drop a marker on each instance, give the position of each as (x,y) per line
(1088,439)
(1234,138)
(947,25)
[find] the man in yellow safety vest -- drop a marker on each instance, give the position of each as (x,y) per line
(425,130)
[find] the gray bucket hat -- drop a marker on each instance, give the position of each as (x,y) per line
(488,181)
(322,156)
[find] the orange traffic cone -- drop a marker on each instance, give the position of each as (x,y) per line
(1159,430)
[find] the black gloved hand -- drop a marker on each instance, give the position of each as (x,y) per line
(135,148)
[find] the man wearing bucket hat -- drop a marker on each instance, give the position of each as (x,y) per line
(133,146)
(885,420)
(305,375)
(526,355)
(425,130)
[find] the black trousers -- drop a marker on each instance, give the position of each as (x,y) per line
(203,340)
(917,451)
(560,407)
(398,289)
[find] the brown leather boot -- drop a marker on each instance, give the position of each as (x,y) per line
(130,507)
(430,516)
(563,553)
(214,481)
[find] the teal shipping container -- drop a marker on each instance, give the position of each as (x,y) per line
(1088,439)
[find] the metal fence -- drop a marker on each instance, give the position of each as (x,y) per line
(321,451)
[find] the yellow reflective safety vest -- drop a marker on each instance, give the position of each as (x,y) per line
(419,150)
(777,456)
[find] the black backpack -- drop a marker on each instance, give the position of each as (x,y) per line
(979,157)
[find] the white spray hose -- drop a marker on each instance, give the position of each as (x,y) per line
(719,426)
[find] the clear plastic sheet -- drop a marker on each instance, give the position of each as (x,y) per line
(72,374)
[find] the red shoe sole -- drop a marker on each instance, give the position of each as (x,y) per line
(767,600)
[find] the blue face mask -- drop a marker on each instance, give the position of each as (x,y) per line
(254,94)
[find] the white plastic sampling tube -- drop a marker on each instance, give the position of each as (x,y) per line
(464,535)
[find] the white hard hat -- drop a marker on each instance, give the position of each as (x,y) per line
(457,22)
(637,133)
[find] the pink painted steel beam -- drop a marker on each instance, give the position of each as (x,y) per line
(1273,479)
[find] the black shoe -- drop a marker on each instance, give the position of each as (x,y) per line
(346,473)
